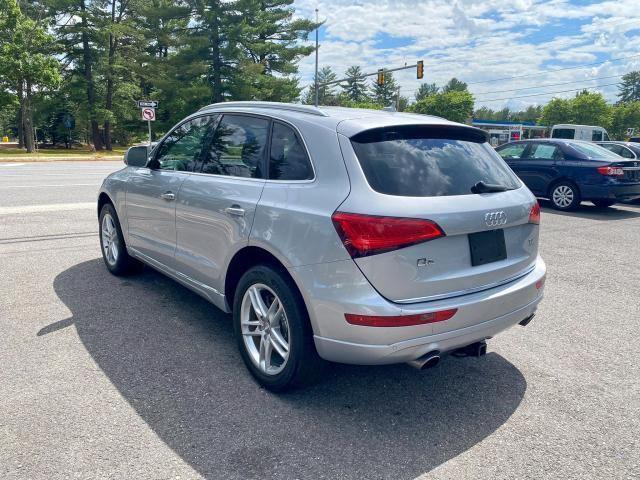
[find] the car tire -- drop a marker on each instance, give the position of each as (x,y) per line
(264,337)
(564,196)
(603,203)
(114,250)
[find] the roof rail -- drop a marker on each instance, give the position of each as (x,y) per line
(291,107)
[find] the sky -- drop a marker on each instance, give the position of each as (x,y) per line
(484,43)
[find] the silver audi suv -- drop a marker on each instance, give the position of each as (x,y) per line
(353,236)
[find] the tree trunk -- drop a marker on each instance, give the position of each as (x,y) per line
(88,77)
(20,118)
(27,119)
(109,94)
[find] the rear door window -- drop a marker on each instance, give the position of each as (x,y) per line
(238,147)
(429,162)
(545,151)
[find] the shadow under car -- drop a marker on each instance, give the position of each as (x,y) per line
(173,358)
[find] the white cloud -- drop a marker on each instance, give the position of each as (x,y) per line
(480,41)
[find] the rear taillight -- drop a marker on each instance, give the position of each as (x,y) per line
(534,214)
(399,320)
(611,171)
(364,235)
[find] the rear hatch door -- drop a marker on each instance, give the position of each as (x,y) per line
(430,173)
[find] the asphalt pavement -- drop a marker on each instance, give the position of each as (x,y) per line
(137,377)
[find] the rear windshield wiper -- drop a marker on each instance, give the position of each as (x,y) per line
(482,187)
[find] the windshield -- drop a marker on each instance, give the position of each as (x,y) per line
(410,163)
(593,151)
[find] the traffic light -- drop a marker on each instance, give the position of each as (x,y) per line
(381,76)
(420,69)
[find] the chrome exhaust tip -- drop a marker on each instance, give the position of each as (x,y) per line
(428,360)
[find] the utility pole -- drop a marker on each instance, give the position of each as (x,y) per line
(316,77)
(398,99)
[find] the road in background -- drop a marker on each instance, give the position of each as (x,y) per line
(139,378)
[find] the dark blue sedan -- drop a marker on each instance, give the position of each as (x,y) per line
(569,171)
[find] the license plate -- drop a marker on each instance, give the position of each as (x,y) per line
(487,247)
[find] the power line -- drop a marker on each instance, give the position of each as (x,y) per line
(550,85)
(534,87)
(584,65)
(575,67)
(546,93)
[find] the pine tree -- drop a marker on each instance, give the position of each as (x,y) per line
(386,93)
(326,93)
(270,45)
(425,90)
(629,89)
(454,85)
(356,86)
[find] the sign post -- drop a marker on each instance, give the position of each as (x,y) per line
(148,112)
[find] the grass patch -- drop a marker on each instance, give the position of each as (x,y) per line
(45,152)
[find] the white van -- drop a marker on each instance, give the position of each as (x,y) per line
(588,133)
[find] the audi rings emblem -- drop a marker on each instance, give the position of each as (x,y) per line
(495,219)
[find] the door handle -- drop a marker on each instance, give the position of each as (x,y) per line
(236,211)
(168,196)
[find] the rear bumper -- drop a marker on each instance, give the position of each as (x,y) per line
(620,192)
(407,350)
(479,316)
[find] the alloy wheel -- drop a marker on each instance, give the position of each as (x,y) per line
(109,239)
(265,329)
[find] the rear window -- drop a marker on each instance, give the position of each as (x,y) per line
(593,151)
(567,133)
(429,162)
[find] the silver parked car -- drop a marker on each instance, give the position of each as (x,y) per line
(347,235)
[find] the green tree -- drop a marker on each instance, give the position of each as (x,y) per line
(531,114)
(485,113)
(425,90)
(326,93)
(356,86)
(590,108)
(455,106)
(629,88)
(558,110)
(624,116)
(454,85)
(271,43)
(27,64)
(386,93)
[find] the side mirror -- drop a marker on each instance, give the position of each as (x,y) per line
(137,156)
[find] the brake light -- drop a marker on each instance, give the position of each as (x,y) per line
(400,320)
(611,171)
(364,235)
(534,214)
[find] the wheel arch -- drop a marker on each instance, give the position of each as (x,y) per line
(562,179)
(103,199)
(243,260)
